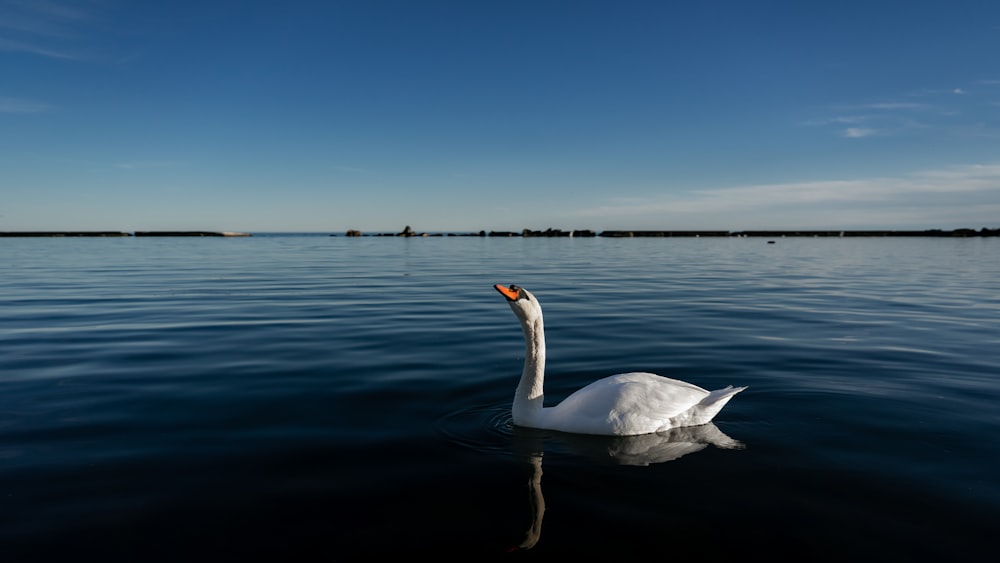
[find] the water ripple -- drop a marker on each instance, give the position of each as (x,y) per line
(483,428)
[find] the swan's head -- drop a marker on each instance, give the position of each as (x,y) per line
(522,302)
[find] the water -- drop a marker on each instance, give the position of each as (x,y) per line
(311,398)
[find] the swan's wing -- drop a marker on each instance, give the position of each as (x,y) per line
(627,403)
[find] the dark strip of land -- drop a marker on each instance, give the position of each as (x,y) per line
(984,232)
(836,233)
(694,234)
(63,234)
(188,234)
(121,234)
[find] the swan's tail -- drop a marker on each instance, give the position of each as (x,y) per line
(710,406)
(723,394)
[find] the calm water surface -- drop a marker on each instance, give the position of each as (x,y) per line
(287,397)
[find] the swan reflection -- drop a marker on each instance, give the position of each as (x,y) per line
(645,449)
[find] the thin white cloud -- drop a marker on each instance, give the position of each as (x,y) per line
(891,106)
(60,10)
(13,46)
(927,92)
(43,17)
(858,132)
(978,175)
(57,30)
(963,196)
(892,118)
(838,120)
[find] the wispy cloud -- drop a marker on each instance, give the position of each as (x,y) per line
(56,30)
(932,92)
(947,198)
(859,126)
(13,46)
(840,119)
(892,106)
(949,111)
(14,105)
(858,132)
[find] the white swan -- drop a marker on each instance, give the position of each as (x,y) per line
(626,404)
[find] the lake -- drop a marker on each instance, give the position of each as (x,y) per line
(292,397)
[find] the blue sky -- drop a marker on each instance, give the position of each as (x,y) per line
(466,115)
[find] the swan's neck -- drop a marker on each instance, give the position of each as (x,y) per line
(528,398)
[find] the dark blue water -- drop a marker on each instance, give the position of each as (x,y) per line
(329,398)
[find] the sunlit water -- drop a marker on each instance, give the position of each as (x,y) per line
(327,398)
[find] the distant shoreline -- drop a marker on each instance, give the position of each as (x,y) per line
(528,233)
(408,232)
(57,234)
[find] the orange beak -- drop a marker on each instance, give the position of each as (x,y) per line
(506,292)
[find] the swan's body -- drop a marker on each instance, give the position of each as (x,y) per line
(626,404)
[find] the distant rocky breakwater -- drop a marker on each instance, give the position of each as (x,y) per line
(122,234)
(409,232)
(547,233)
